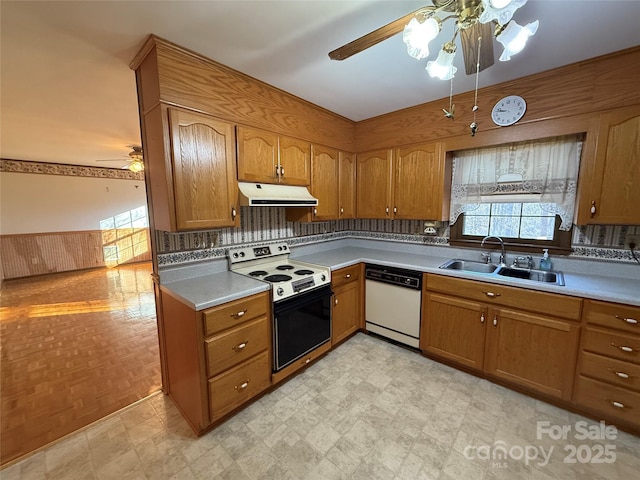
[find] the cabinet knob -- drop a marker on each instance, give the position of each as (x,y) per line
(242,386)
(241,346)
(387,210)
(239,314)
(624,348)
(593,208)
(621,374)
(630,321)
(495,320)
(491,294)
(395,209)
(617,404)
(277,171)
(347,275)
(233,213)
(335,301)
(482,318)
(307,361)
(341,210)
(282,171)
(315,211)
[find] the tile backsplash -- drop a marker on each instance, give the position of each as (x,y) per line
(269,224)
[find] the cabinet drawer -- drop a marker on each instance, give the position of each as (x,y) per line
(615,345)
(613,315)
(236,386)
(233,313)
(234,346)
(623,374)
(521,298)
(608,400)
(345,275)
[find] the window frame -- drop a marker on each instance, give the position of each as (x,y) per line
(560,245)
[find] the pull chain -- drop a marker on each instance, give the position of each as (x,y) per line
(474,124)
(449,113)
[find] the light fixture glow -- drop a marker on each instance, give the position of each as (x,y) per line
(514,38)
(499,10)
(442,67)
(136,166)
(417,36)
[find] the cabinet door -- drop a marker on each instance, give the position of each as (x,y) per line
(346,311)
(454,328)
(615,195)
(347,176)
(204,173)
(294,161)
(257,155)
(324,182)
(374,189)
(532,351)
(418,182)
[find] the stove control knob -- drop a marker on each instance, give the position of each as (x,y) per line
(280,249)
(280,291)
(242,254)
(323,277)
(284,247)
(235,255)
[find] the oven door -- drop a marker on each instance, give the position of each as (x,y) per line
(300,324)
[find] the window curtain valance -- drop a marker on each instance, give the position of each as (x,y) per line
(538,171)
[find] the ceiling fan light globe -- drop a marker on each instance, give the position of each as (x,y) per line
(442,67)
(417,36)
(514,38)
(136,166)
(499,10)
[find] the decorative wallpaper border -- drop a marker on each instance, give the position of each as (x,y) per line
(43,168)
(599,253)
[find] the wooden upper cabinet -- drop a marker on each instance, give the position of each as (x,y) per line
(347,189)
(374,184)
(324,182)
(295,161)
(265,157)
(610,194)
(257,155)
(204,171)
(419,178)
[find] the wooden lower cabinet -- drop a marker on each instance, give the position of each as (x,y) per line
(454,329)
(347,303)
(608,381)
(537,352)
(217,359)
(532,351)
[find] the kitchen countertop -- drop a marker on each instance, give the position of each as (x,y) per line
(205,291)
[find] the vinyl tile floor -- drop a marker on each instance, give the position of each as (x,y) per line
(367,410)
(76,346)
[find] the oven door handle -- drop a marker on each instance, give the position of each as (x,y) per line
(302,299)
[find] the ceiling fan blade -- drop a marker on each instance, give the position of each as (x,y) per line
(469,40)
(375,37)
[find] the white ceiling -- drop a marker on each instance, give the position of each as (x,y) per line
(68,95)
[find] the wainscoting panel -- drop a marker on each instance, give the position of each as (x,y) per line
(41,253)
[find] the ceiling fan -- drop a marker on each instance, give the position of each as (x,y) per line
(134,162)
(474,22)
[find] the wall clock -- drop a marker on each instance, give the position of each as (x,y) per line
(508,110)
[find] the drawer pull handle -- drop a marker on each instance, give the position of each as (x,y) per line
(307,361)
(482,318)
(241,387)
(347,276)
(241,346)
(335,301)
(624,348)
(491,294)
(239,314)
(630,321)
(495,320)
(621,374)
(617,404)
(341,210)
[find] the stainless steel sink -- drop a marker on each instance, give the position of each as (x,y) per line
(535,275)
(469,266)
(489,269)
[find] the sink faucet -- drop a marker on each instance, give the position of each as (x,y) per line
(501,245)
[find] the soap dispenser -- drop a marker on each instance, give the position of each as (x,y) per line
(545,262)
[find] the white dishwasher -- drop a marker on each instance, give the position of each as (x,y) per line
(392,303)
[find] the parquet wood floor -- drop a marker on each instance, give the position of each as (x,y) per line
(75,347)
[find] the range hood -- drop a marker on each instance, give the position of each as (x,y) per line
(268,195)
